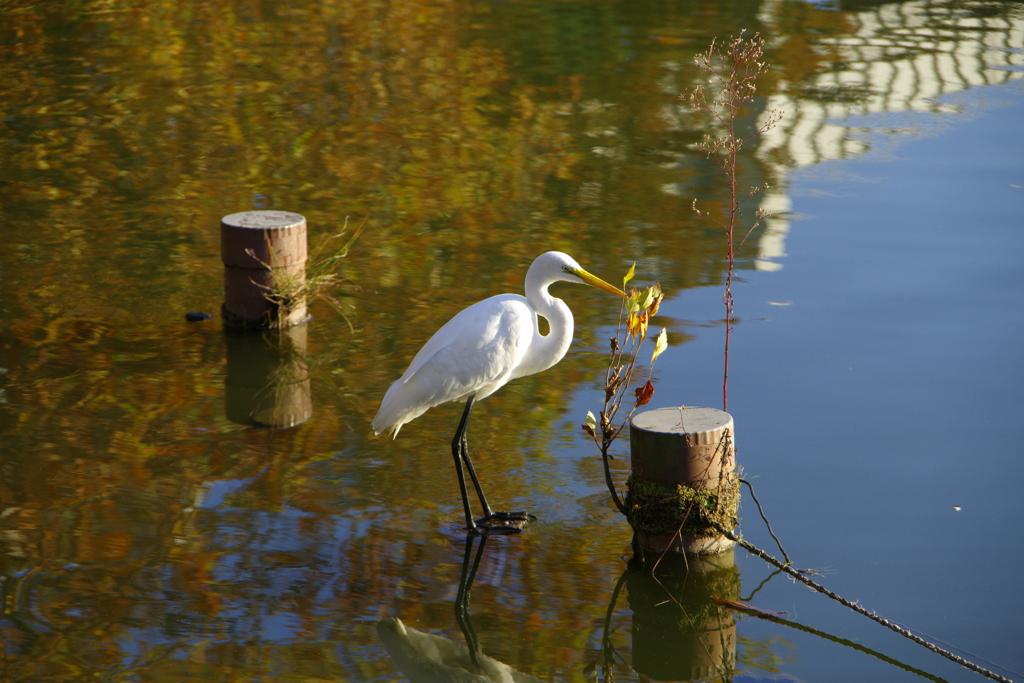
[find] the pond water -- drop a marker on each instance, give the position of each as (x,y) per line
(875,371)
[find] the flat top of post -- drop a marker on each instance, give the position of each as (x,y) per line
(263,220)
(682,420)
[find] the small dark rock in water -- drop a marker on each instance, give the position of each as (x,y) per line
(196,316)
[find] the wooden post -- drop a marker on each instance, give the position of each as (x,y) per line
(263,251)
(683,476)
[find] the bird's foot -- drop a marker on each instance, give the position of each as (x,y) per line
(503,522)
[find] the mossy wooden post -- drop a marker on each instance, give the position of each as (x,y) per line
(263,251)
(683,476)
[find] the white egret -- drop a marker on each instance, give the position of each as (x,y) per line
(477,352)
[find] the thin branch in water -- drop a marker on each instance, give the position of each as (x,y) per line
(889,624)
(766,522)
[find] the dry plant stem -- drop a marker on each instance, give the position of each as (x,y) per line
(799,576)
(617,378)
(611,484)
(619,374)
(733,70)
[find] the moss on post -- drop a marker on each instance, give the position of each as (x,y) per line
(656,507)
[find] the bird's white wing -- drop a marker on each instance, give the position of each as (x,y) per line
(476,352)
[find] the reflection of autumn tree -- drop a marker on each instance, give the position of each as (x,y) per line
(162,119)
(167,117)
(158,119)
(229,575)
(615,70)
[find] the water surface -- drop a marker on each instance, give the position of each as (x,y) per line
(875,371)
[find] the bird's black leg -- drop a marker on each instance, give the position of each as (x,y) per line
(458,444)
(464,452)
(501,522)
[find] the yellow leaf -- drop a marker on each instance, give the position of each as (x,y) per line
(658,296)
(655,305)
(660,344)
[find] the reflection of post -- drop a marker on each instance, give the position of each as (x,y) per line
(263,252)
(683,462)
(267,383)
(679,631)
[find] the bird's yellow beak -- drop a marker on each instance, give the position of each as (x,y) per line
(595,281)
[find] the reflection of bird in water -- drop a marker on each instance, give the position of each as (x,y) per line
(428,658)
(479,350)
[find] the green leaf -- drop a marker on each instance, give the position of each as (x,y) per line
(629,275)
(647,298)
(633,303)
(660,344)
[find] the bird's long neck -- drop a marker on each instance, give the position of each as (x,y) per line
(550,348)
